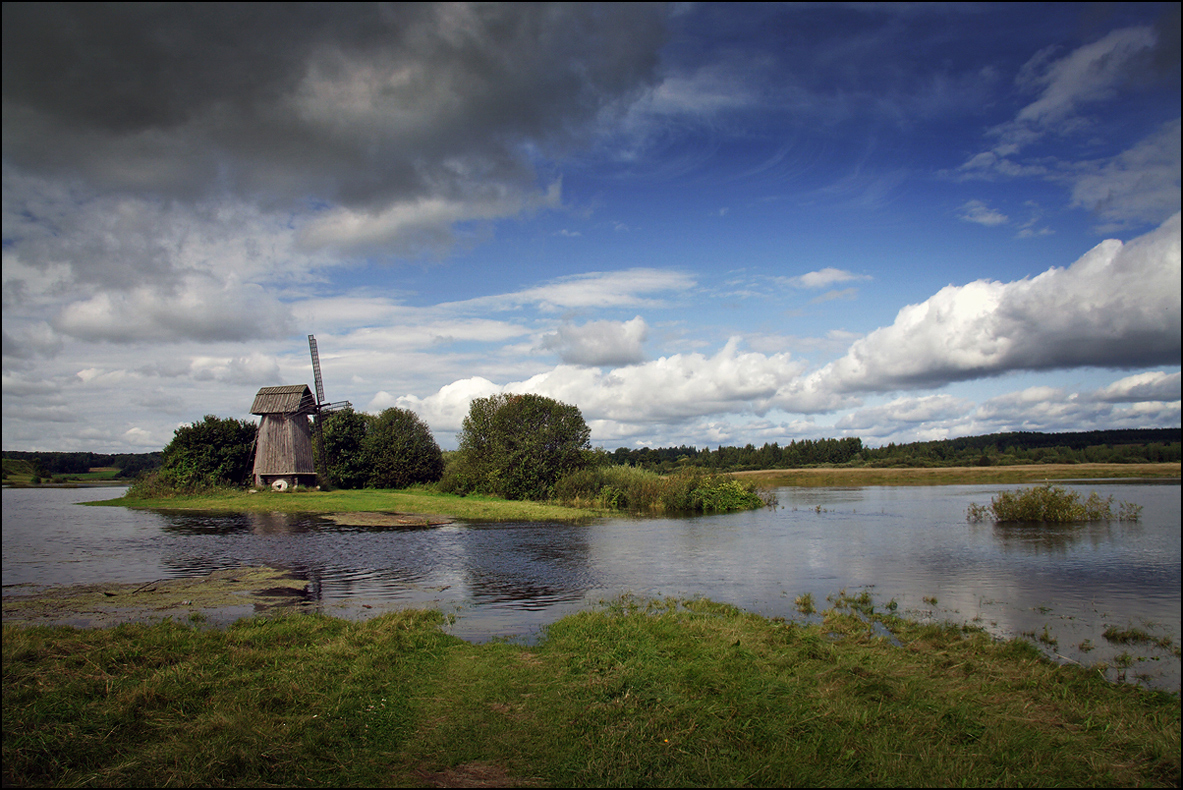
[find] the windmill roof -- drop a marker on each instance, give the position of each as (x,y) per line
(289,399)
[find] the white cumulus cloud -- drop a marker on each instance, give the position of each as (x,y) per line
(1154,385)
(1117,306)
(600,342)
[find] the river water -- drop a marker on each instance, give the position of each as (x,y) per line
(907,544)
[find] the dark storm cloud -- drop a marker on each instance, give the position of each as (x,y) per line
(363,104)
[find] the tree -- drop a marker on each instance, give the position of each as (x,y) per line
(209,453)
(400,451)
(341,455)
(518,446)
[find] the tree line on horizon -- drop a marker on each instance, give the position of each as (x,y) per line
(53,464)
(1147,445)
(1141,445)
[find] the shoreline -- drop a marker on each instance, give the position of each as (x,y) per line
(405,506)
(960,475)
(425,504)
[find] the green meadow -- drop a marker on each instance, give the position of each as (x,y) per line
(422,501)
(638,693)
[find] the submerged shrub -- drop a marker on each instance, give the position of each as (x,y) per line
(1053,504)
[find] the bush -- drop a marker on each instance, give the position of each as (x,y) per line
(518,446)
(340,448)
(629,488)
(1052,504)
(400,451)
(211,453)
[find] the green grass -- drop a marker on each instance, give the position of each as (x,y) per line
(639,693)
(628,488)
(621,489)
(110,473)
(21,473)
(1132,635)
(473,507)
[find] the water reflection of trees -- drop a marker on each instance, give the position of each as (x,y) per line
(218,523)
(524,566)
(1047,538)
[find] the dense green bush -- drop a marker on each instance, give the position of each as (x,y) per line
(629,488)
(395,449)
(213,452)
(1052,504)
(339,449)
(518,447)
(400,451)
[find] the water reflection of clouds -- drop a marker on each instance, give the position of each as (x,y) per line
(526,566)
(906,543)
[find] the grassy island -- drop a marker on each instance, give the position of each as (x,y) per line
(427,503)
(414,503)
(640,693)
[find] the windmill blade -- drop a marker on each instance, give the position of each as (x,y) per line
(338,406)
(320,387)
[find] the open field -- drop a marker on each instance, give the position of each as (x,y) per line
(659,693)
(956,475)
(21,473)
(418,503)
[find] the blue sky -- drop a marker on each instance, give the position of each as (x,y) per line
(702,224)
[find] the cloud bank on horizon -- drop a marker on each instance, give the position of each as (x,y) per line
(700,224)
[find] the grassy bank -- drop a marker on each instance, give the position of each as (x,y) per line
(641,693)
(957,475)
(425,503)
(476,507)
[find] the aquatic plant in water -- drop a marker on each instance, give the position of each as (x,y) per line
(1052,504)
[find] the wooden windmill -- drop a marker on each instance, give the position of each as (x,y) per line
(283,450)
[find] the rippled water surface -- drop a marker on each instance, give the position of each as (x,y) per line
(908,544)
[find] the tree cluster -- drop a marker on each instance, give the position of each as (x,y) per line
(518,447)
(210,453)
(394,449)
(805,452)
(52,464)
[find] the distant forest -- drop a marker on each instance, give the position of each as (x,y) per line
(1137,446)
(52,464)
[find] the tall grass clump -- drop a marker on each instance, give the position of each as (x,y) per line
(1051,504)
(632,489)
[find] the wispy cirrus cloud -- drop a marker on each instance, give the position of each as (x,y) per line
(979,212)
(823,278)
